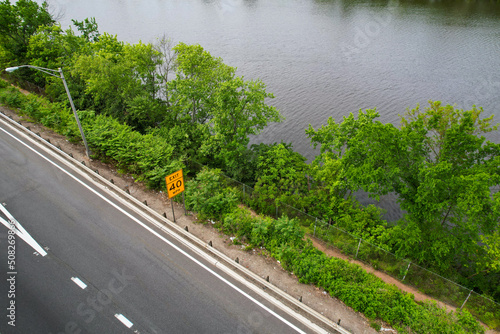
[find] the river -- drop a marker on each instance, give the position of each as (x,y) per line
(328,57)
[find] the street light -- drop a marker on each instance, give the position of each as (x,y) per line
(61,76)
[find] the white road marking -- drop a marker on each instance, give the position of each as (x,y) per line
(20,231)
(170,243)
(79,282)
(124,320)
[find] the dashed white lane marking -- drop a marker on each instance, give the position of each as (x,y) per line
(124,320)
(79,282)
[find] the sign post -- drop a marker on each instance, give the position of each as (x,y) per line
(175,186)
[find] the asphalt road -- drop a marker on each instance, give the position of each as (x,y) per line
(130,271)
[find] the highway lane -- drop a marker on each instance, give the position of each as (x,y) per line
(127,269)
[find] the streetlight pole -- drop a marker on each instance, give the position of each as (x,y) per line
(60,76)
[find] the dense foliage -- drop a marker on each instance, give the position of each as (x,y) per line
(446,176)
(181,93)
(153,109)
(207,195)
(364,292)
(18,24)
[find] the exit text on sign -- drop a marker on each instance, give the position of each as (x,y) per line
(175,183)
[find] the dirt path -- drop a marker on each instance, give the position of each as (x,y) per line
(383,276)
(331,251)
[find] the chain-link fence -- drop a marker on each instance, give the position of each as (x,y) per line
(426,281)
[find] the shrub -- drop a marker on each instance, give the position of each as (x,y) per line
(208,196)
(262,231)
(286,232)
(149,157)
(11,97)
(239,222)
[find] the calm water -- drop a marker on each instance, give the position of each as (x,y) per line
(328,58)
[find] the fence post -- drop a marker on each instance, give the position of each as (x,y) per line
(358,248)
(406,273)
(315,223)
(466,299)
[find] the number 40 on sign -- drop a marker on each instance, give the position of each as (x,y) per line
(175,183)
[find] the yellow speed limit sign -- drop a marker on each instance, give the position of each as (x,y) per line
(175,183)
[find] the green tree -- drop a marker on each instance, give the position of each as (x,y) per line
(121,79)
(491,262)
(440,167)
(19,22)
(51,47)
(197,75)
(331,199)
(208,92)
(327,187)
(166,69)
(88,28)
(240,111)
(281,178)
(485,273)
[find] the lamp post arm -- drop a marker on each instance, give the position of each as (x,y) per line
(41,69)
(74,112)
(60,76)
(44,70)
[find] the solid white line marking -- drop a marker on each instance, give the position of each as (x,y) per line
(79,282)
(21,232)
(124,320)
(161,237)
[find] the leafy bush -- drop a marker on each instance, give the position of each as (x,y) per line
(11,97)
(55,116)
(366,293)
(52,115)
(363,221)
(148,157)
(286,232)
(281,179)
(239,222)
(262,231)
(207,195)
